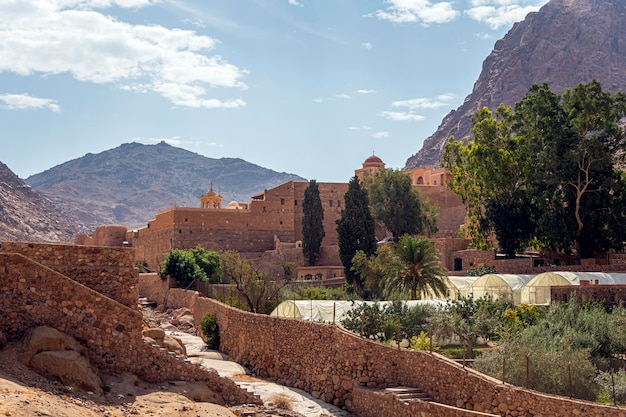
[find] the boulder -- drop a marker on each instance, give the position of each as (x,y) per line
(67,366)
(154,333)
(44,338)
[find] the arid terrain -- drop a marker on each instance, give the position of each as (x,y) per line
(25,393)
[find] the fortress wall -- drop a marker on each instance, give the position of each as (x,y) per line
(452,212)
(330,363)
(107,270)
(32,294)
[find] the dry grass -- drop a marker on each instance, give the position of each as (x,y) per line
(282,401)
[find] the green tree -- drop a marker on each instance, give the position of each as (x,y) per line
(546,173)
(395,203)
(259,293)
(422,270)
(208,261)
(469,320)
(374,271)
(490,175)
(312,223)
(355,230)
(181,266)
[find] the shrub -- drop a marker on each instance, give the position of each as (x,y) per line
(210,330)
(423,342)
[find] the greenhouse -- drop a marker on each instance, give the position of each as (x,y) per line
(500,285)
(458,286)
(537,290)
(332,311)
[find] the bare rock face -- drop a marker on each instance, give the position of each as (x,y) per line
(28,216)
(58,356)
(566,43)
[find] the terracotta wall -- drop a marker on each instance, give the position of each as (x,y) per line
(330,363)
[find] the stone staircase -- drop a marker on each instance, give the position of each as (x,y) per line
(407,394)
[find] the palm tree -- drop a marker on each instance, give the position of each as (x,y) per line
(422,268)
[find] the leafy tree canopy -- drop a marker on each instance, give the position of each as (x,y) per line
(355,230)
(546,172)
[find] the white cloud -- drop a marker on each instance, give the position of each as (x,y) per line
(364,127)
(417,11)
(25,102)
(367,45)
(425,103)
(381,135)
(71,36)
(483,36)
(366,91)
(342,95)
(401,116)
(318,99)
(295,3)
(498,13)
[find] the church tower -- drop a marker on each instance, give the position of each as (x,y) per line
(211,200)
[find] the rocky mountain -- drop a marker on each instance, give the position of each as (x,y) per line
(127,185)
(565,43)
(28,216)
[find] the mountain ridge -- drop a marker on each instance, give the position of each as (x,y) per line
(129,184)
(565,43)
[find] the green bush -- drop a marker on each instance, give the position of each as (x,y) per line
(210,330)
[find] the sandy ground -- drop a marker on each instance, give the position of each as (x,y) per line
(24,393)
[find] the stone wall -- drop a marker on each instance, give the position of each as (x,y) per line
(373,403)
(104,236)
(107,270)
(32,294)
(329,363)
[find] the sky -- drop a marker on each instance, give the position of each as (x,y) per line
(309,87)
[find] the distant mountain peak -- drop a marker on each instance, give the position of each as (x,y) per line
(565,43)
(129,184)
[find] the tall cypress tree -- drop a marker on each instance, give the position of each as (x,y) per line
(355,229)
(312,223)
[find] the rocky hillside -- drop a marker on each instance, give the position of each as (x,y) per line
(566,43)
(127,185)
(28,216)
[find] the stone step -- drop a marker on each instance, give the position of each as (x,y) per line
(409,393)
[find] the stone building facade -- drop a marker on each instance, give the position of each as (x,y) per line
(275,215)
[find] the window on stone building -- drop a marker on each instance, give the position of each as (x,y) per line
(281,222)
(180,231)
(330,203)
(420,180)
(264,210)
(282,201)
(295,202)
(338,203)
(186,219)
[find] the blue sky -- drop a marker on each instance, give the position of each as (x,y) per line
(311,87)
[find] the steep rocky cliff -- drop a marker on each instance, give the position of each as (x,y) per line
(28,216)
(566,43)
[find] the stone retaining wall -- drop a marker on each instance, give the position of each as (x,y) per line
(371,403)
(330,363)
(107,270)
(32,294)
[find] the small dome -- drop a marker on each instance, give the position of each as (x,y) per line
(373,162)
(373,159)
